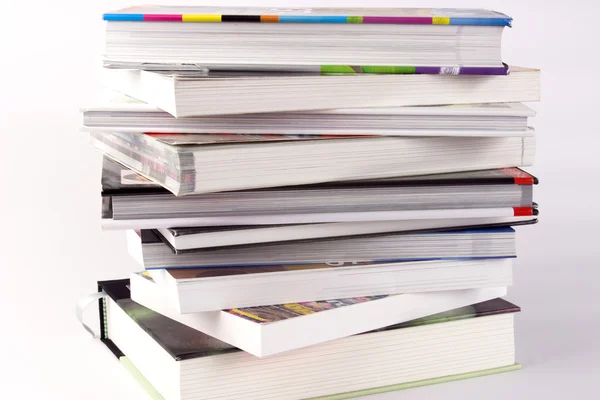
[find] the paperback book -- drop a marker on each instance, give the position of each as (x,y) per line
(209,163)
(189,290)
(211,93)
(396,247)
(123,113)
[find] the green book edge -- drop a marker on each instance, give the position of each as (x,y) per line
(140,378)
(358,393)
(424,382)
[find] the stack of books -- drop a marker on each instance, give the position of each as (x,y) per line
(321,201)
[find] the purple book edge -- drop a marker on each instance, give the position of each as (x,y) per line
(505,70)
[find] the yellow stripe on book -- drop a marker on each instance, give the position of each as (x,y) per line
(200,18)
(440,20)
(246,314)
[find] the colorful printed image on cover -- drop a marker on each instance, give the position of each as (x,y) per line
(266,314)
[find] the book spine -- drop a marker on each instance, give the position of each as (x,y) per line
(307,19)
(104,327)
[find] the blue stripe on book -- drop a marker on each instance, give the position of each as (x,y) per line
(333,19)
(123,17)
(481,21)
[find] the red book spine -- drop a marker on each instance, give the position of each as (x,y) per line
(522,211)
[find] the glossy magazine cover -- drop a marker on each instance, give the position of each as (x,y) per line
(280,312)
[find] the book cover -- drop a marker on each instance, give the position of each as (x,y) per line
(281,312)
(117,177)
(183,342)
(200,139)
(411,16)
(179,232)
(196,71)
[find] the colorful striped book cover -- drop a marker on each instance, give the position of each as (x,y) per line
(407,16)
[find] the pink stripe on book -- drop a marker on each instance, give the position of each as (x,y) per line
(398,20)
(163,17)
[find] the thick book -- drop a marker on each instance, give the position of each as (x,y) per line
(190,290)
(200,164)
(193,93)
(466,342)
(498,242)
(401,40)
(122,113)
(272,329)
(423,202)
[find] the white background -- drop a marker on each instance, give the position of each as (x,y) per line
(52,250)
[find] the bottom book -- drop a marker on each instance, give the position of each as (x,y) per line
(174,361)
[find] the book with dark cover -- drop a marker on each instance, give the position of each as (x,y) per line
(183,342)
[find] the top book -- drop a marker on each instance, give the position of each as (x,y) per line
(401,40)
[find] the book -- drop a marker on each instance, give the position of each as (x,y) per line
(193,93)
(428,244)
(131,201)
(401,40)
(123,113)
(466,342)
(199,164)
(398,246)
(191,290)
(272,329)
(191,238)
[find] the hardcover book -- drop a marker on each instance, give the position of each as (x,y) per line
(410,16)
(470,341)
(388,41)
